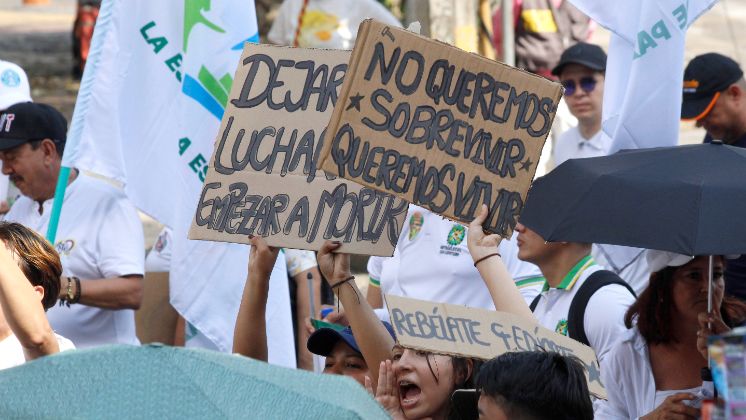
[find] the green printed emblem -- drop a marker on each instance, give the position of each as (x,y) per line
(415,224)
(456,235)
(561,327)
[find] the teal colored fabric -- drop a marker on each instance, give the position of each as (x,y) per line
(155,381)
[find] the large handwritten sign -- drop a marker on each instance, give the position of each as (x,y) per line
(439,127)
(479,333)
(263,177)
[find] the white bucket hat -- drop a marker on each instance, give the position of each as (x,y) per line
(14,86)
(658,260)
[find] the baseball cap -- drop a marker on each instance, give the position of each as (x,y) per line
(658,260)
(14,86)
(323,340)
(704,78)
(583,53)
(30,121)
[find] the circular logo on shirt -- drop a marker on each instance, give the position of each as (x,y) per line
(64,247)
(456,235)
(561,327)
(10,78)
(415,224)
(161,243)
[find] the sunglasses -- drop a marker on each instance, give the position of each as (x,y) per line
(587,83)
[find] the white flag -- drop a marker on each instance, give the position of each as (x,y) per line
(148,111)
(644,72)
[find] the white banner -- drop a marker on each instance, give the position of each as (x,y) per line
(147,114)
(644,73)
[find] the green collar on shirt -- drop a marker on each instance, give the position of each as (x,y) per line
(572,277)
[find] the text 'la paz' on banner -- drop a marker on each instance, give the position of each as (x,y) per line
(263,178)
(442,128)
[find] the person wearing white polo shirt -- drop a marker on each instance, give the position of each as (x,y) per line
(432,262)
(99,239)
(571,272)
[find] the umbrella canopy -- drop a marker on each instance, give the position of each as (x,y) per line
(157,381)
(686,199)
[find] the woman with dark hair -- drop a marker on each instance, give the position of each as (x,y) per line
(655,371)
(409,384)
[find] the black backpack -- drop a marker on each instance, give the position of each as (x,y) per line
(576,314)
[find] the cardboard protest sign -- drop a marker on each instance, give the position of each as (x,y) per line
(479,333)
(263,177)
(439,127)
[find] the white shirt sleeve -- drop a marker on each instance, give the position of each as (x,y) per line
(120,241)
(604,318)
(375,265)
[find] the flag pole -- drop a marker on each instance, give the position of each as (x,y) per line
(59,196)
(79,113)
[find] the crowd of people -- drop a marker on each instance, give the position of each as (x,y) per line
(643,312)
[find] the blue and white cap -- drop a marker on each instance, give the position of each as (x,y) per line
(14,86)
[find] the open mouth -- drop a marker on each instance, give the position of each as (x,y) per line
(409,394)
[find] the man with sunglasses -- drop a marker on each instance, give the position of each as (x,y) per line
(714,97)
(581,72)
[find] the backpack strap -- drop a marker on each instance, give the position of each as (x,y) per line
(535,302)
(576,314)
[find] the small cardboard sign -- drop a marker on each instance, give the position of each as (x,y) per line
(482,334)
(442,128)
(263,177)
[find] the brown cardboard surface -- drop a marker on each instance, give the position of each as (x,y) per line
(263,177)
(442,128)
(479,333)
(155,321)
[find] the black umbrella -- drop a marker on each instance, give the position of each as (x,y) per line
(686,199)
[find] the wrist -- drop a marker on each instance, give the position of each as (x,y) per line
(340,277)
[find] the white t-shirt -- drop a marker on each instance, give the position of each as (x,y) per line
(432,262)
(604,315)
(159,257)
(99,236)
(630,385)
(572,145)
(11,350)
(326,23)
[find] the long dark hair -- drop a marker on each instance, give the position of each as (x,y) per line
(653,309)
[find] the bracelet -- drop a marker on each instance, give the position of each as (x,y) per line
(78,291)
(335,285)
(485,257)
(65,300)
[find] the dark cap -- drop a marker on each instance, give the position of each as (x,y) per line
(323,340)
(30,121)
(583,53)
(704,78)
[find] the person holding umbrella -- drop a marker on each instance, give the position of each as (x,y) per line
(654,372)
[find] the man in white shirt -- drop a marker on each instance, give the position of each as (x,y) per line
(99,238)
(432,262)
(14,89)
(581,72)
(29,285)
(567,267)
